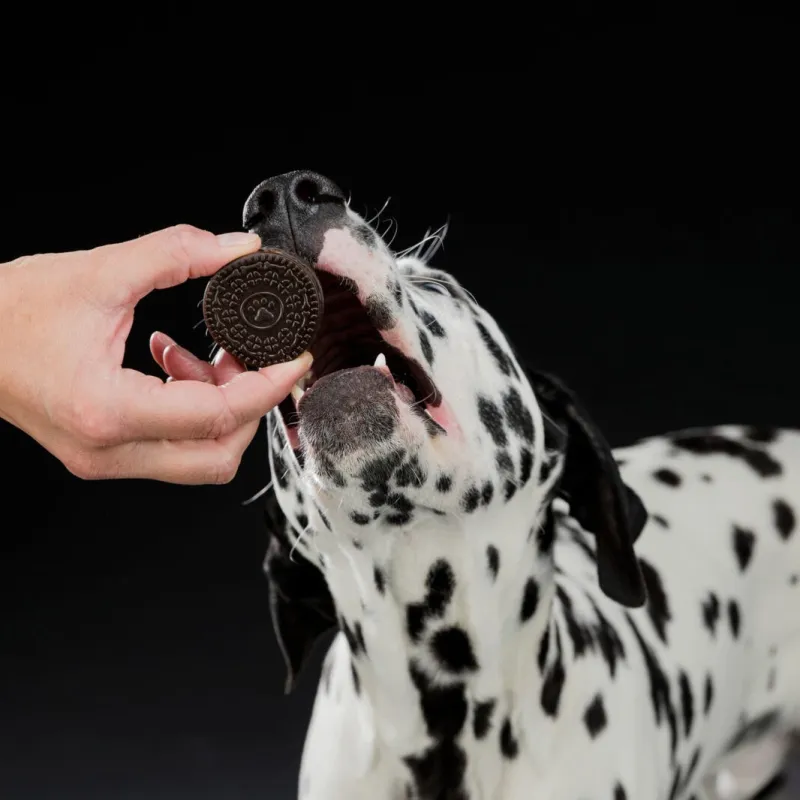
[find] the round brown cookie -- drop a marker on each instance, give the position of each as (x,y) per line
(264,308)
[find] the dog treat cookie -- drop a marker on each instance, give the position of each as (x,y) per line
(264,308)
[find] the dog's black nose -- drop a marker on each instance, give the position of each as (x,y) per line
(294,210)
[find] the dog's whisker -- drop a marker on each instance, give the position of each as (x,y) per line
(259,493)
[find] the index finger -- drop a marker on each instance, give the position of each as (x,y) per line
(146,408)
(127,271)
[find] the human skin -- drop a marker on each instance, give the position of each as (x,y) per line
(64,322)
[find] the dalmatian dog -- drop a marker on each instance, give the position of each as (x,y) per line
(517,610)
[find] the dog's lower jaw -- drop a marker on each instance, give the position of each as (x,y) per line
(435,678)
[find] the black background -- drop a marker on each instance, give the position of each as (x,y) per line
(620,195)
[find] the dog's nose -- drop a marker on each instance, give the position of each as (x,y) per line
(293,211)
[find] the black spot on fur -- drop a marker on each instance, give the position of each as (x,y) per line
(784,518)
(439,770)
(660,696)
(659,520)
(359,518)
(544,648)
(525,466)
(325,521)
(411,474)
(330,471)
(482,718)
(425,344)
(594,718)
(356,679)
(509,489)
(471,499)
(380,580)
(734,618)
(444,483)
(443,707)
(761,462)
(492,420)
(493,560)
(687,702)
(743,543)
(431,323)
(762,434)
(376,474)
(508,744)
(553,684)
(416,616)
(711,613)
(667,476)
(379,312)
(706,478)
(620,793)
(657,602)
(440,582)
(487,493)
(708,694)
(519,418)
(611,647)
(501,359)
(453,650)
(794,580)
(504,462)
(302,521)
(580,634)
(530,600)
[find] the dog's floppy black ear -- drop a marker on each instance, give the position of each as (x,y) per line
(300,602)
(598,498)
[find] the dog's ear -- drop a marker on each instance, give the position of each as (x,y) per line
(597,497)
(300,602)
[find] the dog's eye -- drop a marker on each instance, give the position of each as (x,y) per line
(435,286)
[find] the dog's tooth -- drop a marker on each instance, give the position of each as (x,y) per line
(297,393)
(380,361)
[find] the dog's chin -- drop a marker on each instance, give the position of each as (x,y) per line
(352,417)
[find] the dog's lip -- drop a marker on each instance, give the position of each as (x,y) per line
(430,394)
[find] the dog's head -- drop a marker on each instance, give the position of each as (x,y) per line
(416,410)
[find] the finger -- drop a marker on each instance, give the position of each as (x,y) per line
(159,342)
(183,366)
(189,409)
(189,462)
(130,270)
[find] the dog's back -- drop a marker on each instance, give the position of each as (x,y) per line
(721,556)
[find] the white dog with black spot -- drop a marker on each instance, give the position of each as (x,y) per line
(520,612)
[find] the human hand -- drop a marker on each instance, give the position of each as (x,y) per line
(64,321)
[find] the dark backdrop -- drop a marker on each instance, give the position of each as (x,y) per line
(617,196)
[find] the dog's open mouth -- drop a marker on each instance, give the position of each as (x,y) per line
(349,339)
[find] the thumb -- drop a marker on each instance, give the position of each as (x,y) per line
(130,270)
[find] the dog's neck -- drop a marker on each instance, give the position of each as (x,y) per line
(447,613)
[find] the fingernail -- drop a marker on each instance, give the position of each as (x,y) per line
(238,239)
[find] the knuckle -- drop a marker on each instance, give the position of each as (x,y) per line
(96,428)
(225,471)
(83,464)
(180,242)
